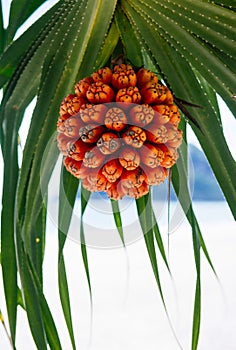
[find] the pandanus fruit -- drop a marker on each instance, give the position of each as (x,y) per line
(118,131)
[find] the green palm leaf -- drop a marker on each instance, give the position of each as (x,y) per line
(2,31)
(118,219)
(19,12)
(18,50)
(67,196)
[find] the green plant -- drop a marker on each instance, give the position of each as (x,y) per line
(191,46)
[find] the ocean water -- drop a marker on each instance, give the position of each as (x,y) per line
(128,313)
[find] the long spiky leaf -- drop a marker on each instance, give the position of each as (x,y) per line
(117,219)
(85,195)
(146,221)
(67,197)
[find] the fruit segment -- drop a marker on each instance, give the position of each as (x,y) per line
(142,115)
(115,119)
(90,133)
(100,93)
(129,158)
(123,77)
(108,143)
(72,126)
(71,104)
(129,95)
(93,158)
(90,113)
(154,93)
(112,170)
(151,155)
(134,136)
(76,149)
(157,133)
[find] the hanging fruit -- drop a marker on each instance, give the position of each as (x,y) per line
(119,132)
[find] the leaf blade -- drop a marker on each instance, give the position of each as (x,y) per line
(19,12)
(117,219)
(67,197)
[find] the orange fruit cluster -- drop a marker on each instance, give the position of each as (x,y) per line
(119,131)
